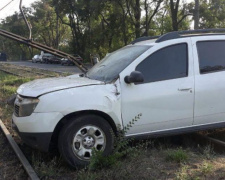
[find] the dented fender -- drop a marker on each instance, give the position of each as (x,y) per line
(102,97)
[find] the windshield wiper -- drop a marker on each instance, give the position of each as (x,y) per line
(82,75)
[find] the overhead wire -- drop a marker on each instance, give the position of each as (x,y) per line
(6,5)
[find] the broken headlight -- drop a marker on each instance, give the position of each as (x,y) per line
(24,106)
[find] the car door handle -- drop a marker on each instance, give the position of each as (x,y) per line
(184,89)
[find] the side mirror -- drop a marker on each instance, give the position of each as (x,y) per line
(135,77)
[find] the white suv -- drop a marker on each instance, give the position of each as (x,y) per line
(176,82)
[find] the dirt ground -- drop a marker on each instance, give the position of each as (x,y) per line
(10,166)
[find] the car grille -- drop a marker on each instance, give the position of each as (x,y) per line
(16,110)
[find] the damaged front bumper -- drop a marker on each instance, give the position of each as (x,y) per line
(39,141)
(36,130)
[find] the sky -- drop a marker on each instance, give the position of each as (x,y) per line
(12,7)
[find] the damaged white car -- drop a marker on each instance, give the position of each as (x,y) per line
(176,82)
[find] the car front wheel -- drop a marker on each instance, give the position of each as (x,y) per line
(81,135)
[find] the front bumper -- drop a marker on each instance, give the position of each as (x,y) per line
(36,130)
(39,141)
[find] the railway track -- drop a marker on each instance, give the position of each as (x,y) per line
(217,144)
(25,72)
(26,165)
(11,73)
(45,70)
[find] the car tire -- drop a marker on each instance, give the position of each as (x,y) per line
(80,135)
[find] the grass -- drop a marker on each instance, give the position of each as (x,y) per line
(155,159)
(46,168)
(177,155)
(15,81)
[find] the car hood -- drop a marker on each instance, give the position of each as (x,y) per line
(42,86)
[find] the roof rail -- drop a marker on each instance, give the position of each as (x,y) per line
(168,36)
(144,38)
(177,34)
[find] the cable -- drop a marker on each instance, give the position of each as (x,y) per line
(6,5)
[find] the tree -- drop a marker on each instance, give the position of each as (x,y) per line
(212,14)
(177,15)
(15,24)
(134,11)
(46,28)
(150,13)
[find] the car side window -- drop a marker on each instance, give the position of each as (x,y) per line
(211,56)
(168,63)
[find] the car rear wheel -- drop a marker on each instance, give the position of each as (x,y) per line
(81,135)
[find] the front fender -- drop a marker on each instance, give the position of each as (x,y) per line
(104,98)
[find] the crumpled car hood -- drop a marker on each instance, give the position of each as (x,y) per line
(42,86)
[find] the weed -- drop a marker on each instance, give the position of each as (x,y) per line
(206,168)
(182,174)
(208,152)
(178,155)
(46,169)
(121,149)
(86,175)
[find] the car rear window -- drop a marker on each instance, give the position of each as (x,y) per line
(211,56)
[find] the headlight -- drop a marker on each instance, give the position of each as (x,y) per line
(24,106)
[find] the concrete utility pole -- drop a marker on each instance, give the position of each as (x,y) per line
(196,15)
(25,19)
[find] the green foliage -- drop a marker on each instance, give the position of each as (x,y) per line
(178,155)
(212,14)
(122,148)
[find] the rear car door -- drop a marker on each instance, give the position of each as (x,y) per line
(209,54)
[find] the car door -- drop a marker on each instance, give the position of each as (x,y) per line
(209,54)
(166,97)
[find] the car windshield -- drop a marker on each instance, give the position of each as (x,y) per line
(109,67)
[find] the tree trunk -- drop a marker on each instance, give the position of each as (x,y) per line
(146,18)
(137,15)
(174,12)
(196,15)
